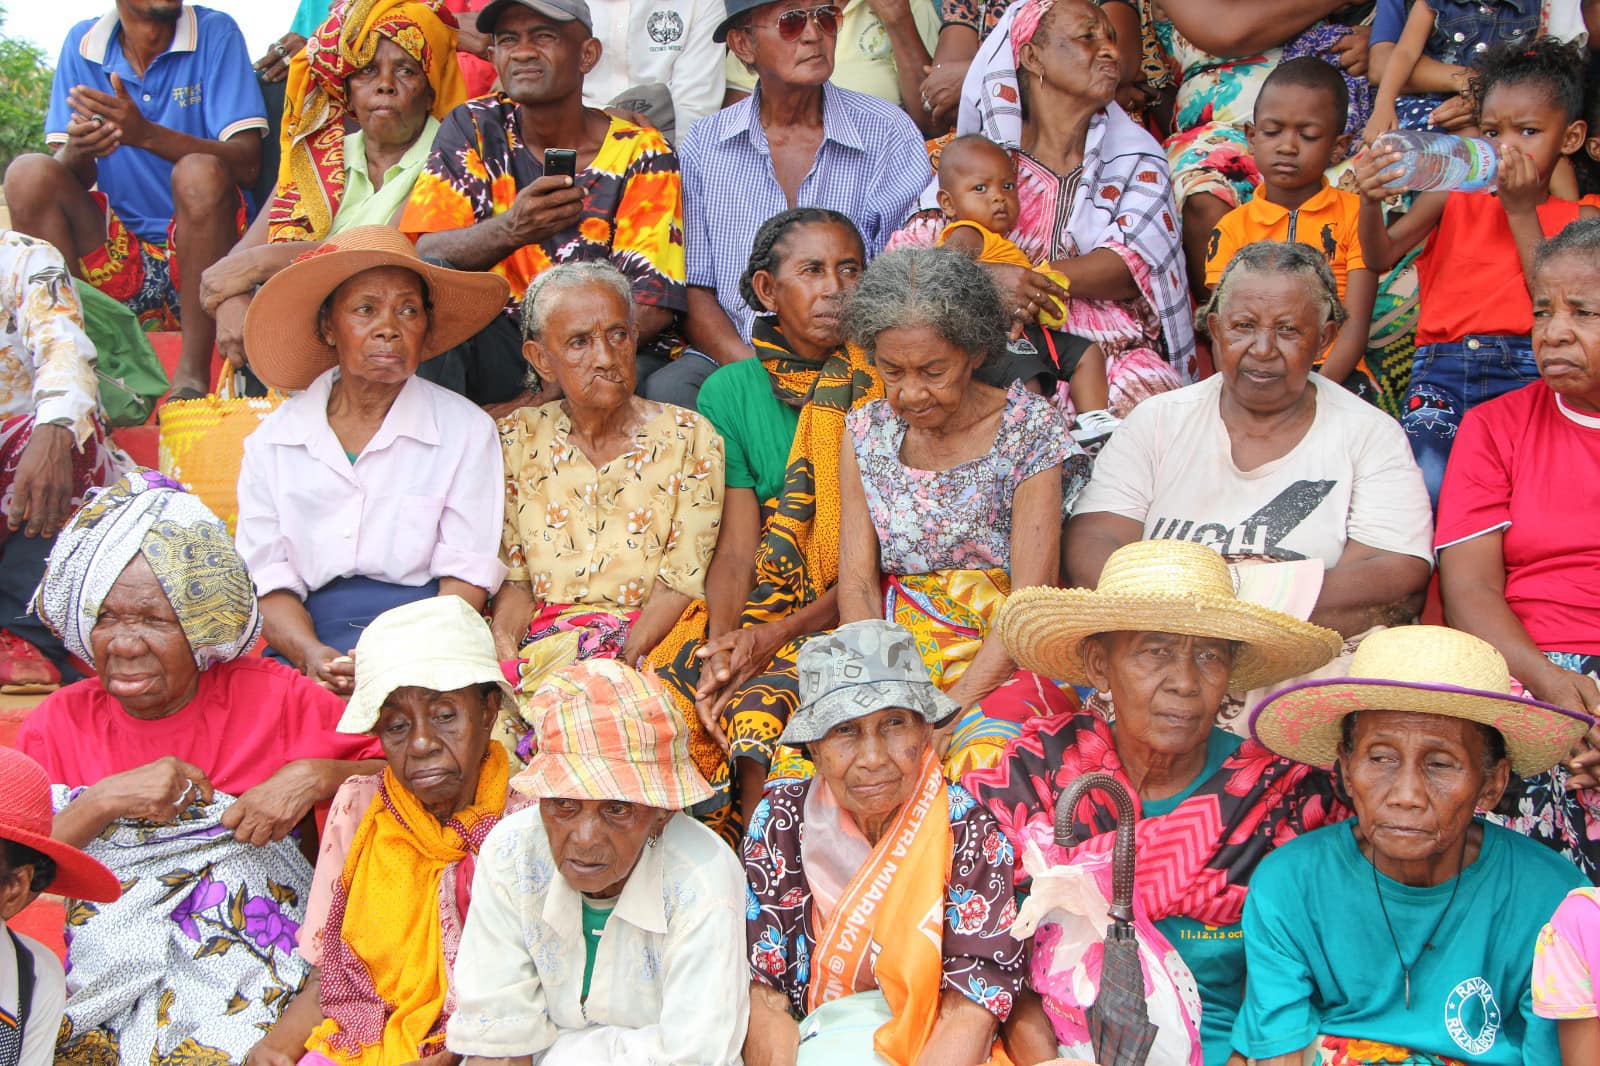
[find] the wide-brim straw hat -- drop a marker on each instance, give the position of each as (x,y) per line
(26,817)
(1425,670)
(438,643)
(607,732)
(1161,586)
(280,329)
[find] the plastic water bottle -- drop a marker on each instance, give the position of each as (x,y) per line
(1434,161)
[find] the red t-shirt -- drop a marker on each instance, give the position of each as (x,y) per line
(1469,276)
(478,73)
(1528,464)
(247,719)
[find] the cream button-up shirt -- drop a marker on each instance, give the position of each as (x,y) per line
(671,981)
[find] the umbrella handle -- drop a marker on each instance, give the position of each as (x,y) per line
(1122,852)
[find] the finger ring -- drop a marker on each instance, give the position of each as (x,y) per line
(98,120)
(925,105)
(277,46)
(183,797)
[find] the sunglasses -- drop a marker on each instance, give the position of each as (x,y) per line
(791,24)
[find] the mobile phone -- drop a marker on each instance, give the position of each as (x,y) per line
(561,162)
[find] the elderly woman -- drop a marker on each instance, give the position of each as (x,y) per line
(371,488)
(612,501)
(1094,194)
(771,582)
(606,928)
(1161,641)
(881,896)
(393,881)
(1517,558)
(952,491)
(1424,731)
(184,768)
(385,67)
(1267,459)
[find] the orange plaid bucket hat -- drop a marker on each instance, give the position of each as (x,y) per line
(607,732)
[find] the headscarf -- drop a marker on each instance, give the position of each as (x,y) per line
(311,173)
(1025,23)
(186,545)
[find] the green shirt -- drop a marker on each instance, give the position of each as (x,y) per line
(757,428)
(362,205)
(595,915)
(1214,953)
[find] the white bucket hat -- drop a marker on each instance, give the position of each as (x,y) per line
(439,643)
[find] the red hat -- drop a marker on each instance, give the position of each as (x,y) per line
(25,817)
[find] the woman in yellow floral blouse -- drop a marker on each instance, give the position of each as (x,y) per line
(613,502)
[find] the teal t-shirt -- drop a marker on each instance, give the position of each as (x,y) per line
(757,428)
(1321,959)
(595,915)
(1215,953)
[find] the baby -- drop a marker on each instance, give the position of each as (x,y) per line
(978,194)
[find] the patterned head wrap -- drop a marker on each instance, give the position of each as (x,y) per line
(186,545)
(1025,23)
(311,173)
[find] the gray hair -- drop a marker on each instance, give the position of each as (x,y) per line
(936,288)
(1577,238)
(544,289)
(1278,257)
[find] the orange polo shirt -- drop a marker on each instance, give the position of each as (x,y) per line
(1326,222)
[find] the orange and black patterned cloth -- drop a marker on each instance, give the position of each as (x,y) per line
(139,273)
(632,208)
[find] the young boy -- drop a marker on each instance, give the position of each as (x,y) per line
(1296,136)
(33,987)
(1476,315)
(978,194)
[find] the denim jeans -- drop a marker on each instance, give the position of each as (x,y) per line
(1447,381)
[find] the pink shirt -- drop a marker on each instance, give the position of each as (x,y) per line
(247,720)
(424,500)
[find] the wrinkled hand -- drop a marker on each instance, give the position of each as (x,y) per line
(522,399)
(230,330)
(42,490)
(265,1054)
(1517,184)
(229,276)
(272,809)
(95,139)
(1373,171)
(1352,49)
(544,208)
(1455,114)
(155,792)
(941,91)
(332,669)
(727,663)
(1578,693)
(1023,292)
(274,66)
(116,107)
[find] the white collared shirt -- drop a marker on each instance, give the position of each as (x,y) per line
(424,500)
(671,984)
(48,1003)
(666,41)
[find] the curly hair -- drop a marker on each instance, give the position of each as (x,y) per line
(764,253)
(1576,238)
(936,288)
(1543,61)
(1277,257)
(543,290)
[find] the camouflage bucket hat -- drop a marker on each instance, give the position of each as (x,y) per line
(856,670)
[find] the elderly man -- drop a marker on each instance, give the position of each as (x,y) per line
(797,141)
(156,108)
(53,445)
(485,202)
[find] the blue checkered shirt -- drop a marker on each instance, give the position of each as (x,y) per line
(872,167)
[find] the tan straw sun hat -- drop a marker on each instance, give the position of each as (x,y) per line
(1426,670)
(280,329)
(1161,586)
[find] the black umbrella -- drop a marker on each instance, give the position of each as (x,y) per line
(1119,1018)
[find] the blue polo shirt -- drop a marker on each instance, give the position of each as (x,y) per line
(202,85)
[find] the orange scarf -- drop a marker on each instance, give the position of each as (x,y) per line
(386,975)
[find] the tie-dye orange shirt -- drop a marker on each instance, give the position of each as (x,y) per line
(632,208)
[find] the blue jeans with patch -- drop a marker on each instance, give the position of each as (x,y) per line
(1447,381)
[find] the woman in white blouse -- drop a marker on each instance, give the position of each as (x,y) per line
(371,488)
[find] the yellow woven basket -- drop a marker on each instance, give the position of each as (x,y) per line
(202,444)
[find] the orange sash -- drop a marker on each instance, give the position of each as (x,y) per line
(902,881)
